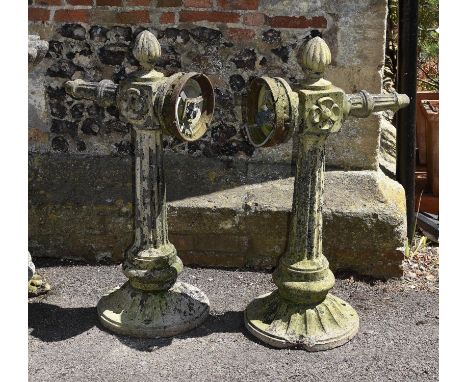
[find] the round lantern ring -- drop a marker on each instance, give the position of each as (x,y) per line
(270,112)
(186,106)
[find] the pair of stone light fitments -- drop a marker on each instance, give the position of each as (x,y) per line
(152,303)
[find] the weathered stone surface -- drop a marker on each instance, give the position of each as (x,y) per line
(74,31)
(82,208)
(364,220)
(63,69)
(388,147)
(224,158)
(98,33)
(31,267)
(60,126)
(37,49)
(206,35)
(90,126)
(245,59)
(333,318)
(271,36)
(282,52)
(105,53)
(237,82)
(132,312)
(77,111)
(57,109)
(60,144)
(113,54)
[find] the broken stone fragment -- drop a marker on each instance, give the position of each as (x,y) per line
(37,49)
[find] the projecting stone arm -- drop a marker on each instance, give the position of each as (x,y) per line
(273,111)
(362,104)
(181,105)
(104,93)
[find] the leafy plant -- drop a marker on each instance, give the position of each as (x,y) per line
(428,42)
(412,250)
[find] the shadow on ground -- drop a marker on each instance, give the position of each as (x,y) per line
(51,323)
(227,322)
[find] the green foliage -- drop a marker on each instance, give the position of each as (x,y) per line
(412,250)
(428,47)
(428,41)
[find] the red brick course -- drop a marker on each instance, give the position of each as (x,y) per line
(76,15)
(48,2)
(114,3)
(80,2)
(211,16)
(142,3)
(198,3)
(169,3)
(167,18)
(133,17)
(204,12)
(38,14)
(239,4)
(254,19)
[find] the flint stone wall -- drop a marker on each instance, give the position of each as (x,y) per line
(227,48)
(230,41)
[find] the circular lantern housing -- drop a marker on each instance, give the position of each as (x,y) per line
(270,112)
(185,105)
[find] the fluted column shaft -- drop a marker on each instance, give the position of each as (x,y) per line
(150,191)
(305,233)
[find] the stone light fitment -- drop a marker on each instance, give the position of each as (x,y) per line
(152,303)
(37,49)
(301,312)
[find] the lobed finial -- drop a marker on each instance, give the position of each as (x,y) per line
(315,56)
(147,49)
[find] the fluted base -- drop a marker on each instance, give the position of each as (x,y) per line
(282,324)
(134,312)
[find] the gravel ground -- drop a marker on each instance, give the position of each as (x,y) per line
(397,340)
(421,268)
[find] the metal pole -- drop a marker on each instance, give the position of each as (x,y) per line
(406,119)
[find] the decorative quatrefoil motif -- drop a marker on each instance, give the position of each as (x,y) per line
(324,114)
(134,104)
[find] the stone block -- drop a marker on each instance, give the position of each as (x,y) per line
(82,208)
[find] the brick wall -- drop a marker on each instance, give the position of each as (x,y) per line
(231,41)
(243,16)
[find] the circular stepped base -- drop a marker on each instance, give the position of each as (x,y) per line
(282,324)
(129,311)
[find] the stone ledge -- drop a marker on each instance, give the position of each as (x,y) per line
(244,226)
(364,222)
